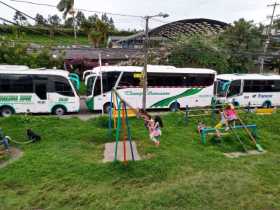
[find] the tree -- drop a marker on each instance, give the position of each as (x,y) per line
(65,6)
(197,51)
(54,20)
(80,18)
(242,41)
(69,22)
(19,18)
(40,20)
(92,19)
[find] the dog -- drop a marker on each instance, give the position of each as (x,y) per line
(32,136)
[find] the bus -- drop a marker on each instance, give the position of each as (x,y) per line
(254,90)
(87,73)
(37,91)
(168,87)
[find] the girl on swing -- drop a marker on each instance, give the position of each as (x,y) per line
(154,126)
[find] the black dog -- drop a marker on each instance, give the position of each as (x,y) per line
(32,136)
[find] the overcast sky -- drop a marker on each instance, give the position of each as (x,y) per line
(223,10)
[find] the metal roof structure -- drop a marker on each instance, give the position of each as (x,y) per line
(187,27)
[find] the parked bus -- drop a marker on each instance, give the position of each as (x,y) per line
(87,73)
(168,87)
(36,91)
(254,90)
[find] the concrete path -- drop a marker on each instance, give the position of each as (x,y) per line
(109,152)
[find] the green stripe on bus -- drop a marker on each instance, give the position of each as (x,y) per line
(167,101)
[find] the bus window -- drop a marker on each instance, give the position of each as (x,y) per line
(90,85)
(16,84)
(180,80)
(63,88)
(234,88)
(129,79)
(109,80)
(222,87)
(97,88)
(41,90)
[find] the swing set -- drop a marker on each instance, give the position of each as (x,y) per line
(118,119)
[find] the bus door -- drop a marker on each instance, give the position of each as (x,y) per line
(41,94)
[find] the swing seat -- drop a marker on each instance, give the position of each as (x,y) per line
(130,113)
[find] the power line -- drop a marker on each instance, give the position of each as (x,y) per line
(80,9)
(23,13)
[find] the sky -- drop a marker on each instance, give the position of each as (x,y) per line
(222,10)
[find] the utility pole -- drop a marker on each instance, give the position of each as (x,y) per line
(268,32)
(146,51)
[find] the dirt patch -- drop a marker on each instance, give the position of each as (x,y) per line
(109,152)
(243,154)
(13,155)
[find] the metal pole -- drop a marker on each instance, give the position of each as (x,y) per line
(101,79)
(146,50)
(268,36)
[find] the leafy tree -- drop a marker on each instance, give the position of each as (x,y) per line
(54,20)
(40,20)
(14,53)
(95,37)
(241,41)
(19,18)
(69,22)
(80,18)
(92,19)
(65,6)
(197,51)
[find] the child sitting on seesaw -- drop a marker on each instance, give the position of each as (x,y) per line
(228,117)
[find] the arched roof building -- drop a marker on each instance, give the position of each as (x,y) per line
(187,27)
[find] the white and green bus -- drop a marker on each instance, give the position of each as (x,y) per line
(168,87)
(255,90)
(36,91)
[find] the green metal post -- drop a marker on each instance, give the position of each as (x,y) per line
(118,129)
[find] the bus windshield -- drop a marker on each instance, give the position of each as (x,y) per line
(90,85)
(222,87)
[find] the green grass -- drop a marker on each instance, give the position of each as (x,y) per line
(46,40)
(65,170)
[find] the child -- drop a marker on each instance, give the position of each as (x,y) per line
(200,126)
(222,122)
(230,114)
(154,129)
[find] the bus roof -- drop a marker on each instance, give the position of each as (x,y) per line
(156,69)
(13,67)
(36,71)
(231,77)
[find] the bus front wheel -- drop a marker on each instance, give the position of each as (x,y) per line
(6,111)
(59,110)
(107,107)
(267,104)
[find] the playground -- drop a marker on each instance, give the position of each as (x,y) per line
(65,170)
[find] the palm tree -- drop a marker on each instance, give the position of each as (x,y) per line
(65,6)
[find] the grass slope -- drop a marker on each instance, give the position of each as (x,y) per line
(46,40)
(65,170)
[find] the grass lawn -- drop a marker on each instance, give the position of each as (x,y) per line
(65,170)
(46,40)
